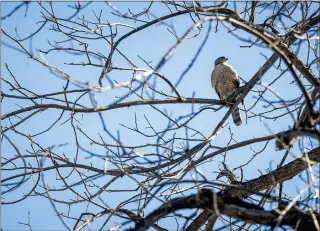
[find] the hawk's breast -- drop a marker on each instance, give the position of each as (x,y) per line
(225,80)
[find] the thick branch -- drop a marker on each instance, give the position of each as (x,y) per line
(236,208)
(279,175)
(261,183)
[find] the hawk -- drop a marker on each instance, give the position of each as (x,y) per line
(225,81)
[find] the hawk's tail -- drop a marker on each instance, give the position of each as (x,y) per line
(236,117)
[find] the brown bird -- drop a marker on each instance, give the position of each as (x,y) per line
(225,81)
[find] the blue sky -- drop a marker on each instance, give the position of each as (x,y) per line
(150,44)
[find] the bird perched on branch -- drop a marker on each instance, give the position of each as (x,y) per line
(225,81)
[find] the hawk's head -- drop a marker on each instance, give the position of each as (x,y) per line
(220,60)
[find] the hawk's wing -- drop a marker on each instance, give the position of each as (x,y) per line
(233,75)
(235,80)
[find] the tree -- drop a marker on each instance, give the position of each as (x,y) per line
(109,117)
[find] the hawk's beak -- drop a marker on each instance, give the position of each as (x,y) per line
(226,59)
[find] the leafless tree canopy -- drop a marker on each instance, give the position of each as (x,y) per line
(107,121)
